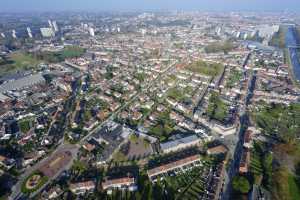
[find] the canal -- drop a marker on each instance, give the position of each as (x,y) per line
(292,43)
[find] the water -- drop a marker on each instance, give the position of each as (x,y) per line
(292,42)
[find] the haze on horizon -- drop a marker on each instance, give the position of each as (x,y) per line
(144,5)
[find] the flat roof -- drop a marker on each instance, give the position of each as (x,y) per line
(176,142)
(21,83)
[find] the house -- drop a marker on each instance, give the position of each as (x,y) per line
(7,163)
(174,167)
(89,147)
(248,139)
(82,187)
(137,116)
(244,163)
(124,183)
(53,193)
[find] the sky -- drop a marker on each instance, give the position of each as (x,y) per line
(148,5)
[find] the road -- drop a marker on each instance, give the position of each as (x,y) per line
(237,142)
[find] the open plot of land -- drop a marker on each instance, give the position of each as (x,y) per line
(137,147)
(217,109)
(60,56)
(209,69)
(17,61)
(55,163)
(219,47)
(280,120)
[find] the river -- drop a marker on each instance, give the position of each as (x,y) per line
(292,43)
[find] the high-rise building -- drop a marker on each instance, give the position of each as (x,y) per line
(50,23)
(55,27)
(47,32)
(92,32)
(29,32)
(14,34)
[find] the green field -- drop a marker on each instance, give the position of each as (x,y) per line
(294,188)
(17,61)
(217,109)
(280,120)
(176,94)
(209,69)
(285,185)
(60,56)
(41,182)
(219,47)
(24,126)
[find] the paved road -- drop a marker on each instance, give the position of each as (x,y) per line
(237,145)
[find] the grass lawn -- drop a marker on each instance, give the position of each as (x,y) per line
(219,47)
(67,52)
(18,61)
(176,94)
(293,188)
(41,182)
(217,109)
(279,119)
(209,69)
(284,185)
(24,126)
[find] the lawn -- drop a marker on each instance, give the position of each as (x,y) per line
(176,93)
(280,120)
(219,47)
(18,61)
(209,69)
(293,187)
(24,125)
(163,128)
(40,183)
(217,109)
(60,56)
(284,185)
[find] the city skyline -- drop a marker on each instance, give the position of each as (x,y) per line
(147,5)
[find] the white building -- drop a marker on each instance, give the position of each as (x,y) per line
(29,32)
(92,32)
(47,32)
(55,27)
(180,143)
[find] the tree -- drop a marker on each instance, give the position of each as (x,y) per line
(241,184)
